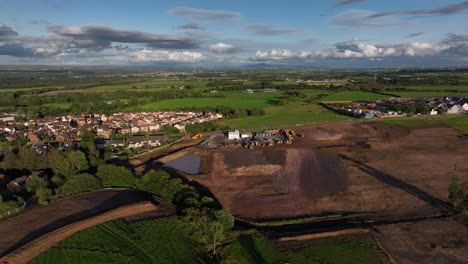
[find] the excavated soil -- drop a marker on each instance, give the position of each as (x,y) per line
(356,168)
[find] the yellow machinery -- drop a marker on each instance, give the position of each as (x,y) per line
(197,136)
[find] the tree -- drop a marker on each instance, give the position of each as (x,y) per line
(40,187)
(81,182)
(210,228)
(69,164)
(115,176)
(161,184)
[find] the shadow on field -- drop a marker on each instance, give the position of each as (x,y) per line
(122,198)
(395,182)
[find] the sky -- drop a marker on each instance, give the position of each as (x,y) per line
(222,33)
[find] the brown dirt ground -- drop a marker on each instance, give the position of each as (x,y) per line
(40,220)
(358,168)
(429,241)
(39,245)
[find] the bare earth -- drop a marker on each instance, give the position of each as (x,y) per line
(355,168)
(36,247)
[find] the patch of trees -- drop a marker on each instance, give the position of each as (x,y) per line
(292,96)
(227,112)
(201,127)
(411,108)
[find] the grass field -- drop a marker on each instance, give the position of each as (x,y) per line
(463,88)
(59,105)
(118,242)
(172,104)
(354,96)
(457,122)
(426,94)
(347,249)
(290,115)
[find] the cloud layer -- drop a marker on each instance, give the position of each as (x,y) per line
(453,46)
(205,14)
(264,29)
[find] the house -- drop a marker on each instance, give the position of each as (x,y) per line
(17,185)
(234,134)
(433,112)
(465,107)
(180,127)
(368,115)
(456,109)
(115,143)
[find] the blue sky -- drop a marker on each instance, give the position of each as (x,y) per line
(338,33)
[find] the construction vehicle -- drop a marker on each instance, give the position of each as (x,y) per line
(197,136)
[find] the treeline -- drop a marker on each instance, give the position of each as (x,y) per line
(226,111)
(440,79)
(411,108)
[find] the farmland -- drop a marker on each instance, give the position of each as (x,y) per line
(118,242)
(158,241)
(354,96)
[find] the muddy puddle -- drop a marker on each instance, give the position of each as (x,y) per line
(189,164)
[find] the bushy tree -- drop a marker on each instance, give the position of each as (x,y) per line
(161,184)
(115,176)
(81,182)
(67,164)
(40,187)
(24,158)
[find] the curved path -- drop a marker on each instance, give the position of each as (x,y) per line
(72,213)
(39,245)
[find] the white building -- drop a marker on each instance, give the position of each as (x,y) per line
(465,107)
(234,134)
(433,112)
(456,109)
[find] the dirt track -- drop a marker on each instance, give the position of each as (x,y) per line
(42,243)
(40,220)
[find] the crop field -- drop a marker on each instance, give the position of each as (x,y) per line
(118,242)
(354,96)
(346,249)
(293,114)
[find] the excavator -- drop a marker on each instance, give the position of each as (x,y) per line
(197,136)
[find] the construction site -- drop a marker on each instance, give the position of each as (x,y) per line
(352,175)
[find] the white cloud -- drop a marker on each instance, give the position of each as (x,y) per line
(360,49)
(222,48)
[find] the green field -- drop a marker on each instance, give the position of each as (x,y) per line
(290,115)
(10,90)
(457,122)
(426,94)
(172,104)
(463,88)
(117,242)
(59,105)
(157,241)
(355,96)
(347,249)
